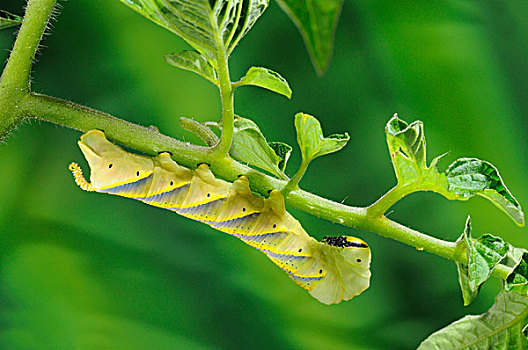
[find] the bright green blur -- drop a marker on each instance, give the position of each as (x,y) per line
(89,271)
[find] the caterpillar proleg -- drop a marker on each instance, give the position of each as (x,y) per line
(335,269)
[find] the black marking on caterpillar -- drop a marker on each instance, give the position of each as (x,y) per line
(343,241)
(332,270)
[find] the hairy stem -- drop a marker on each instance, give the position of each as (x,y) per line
(14,83)
(82,118)
(17,70)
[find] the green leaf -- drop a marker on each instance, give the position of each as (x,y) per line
(499,328)
(513,257)
(407,148)
(283,151)
(468,294)
(317,21)
(266,78)
(192,61)
(250,146)
(9,20)
(484,254)
(208,26)
(311,140)
(471,176)
(463,179)
(517,281)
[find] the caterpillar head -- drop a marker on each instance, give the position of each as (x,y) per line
(347,263)
(110,165)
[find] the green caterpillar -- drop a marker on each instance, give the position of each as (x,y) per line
(332,270)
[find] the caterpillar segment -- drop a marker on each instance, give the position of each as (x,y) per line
(332,270)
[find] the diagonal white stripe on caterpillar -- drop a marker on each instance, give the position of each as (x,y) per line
(336,269)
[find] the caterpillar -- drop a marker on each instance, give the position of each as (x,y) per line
(335,269)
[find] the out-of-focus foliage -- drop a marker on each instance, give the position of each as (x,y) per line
(9,20)
(316,21)
(80,269)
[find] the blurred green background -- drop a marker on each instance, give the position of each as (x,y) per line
(87,271)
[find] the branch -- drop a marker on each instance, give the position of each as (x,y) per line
(390,198)
(82,118)
(16,104)
(151,142)
(200,130)
(18,68)
(14,83)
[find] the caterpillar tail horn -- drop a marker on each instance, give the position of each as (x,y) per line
(79,178)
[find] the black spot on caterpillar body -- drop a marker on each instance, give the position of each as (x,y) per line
(328,270)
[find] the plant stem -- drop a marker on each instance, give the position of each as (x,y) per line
(14,83)
(389,199)
(82,118)
(293,184)
(17,70)
(396,193)
(200,130)
(226,95)
(16,103)
(151,142)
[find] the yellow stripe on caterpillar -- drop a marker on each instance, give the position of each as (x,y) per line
(333,270)
(139,176)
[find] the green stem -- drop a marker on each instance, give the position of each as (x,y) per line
(396,193)
(14,83)
(16,103)
(17,70)
(200,130)
(228,111)
(390,198)
(151,142)
(82,118)
(293,184)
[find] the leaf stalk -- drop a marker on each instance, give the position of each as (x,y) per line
(390,198)
(227,98)
(293,184)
